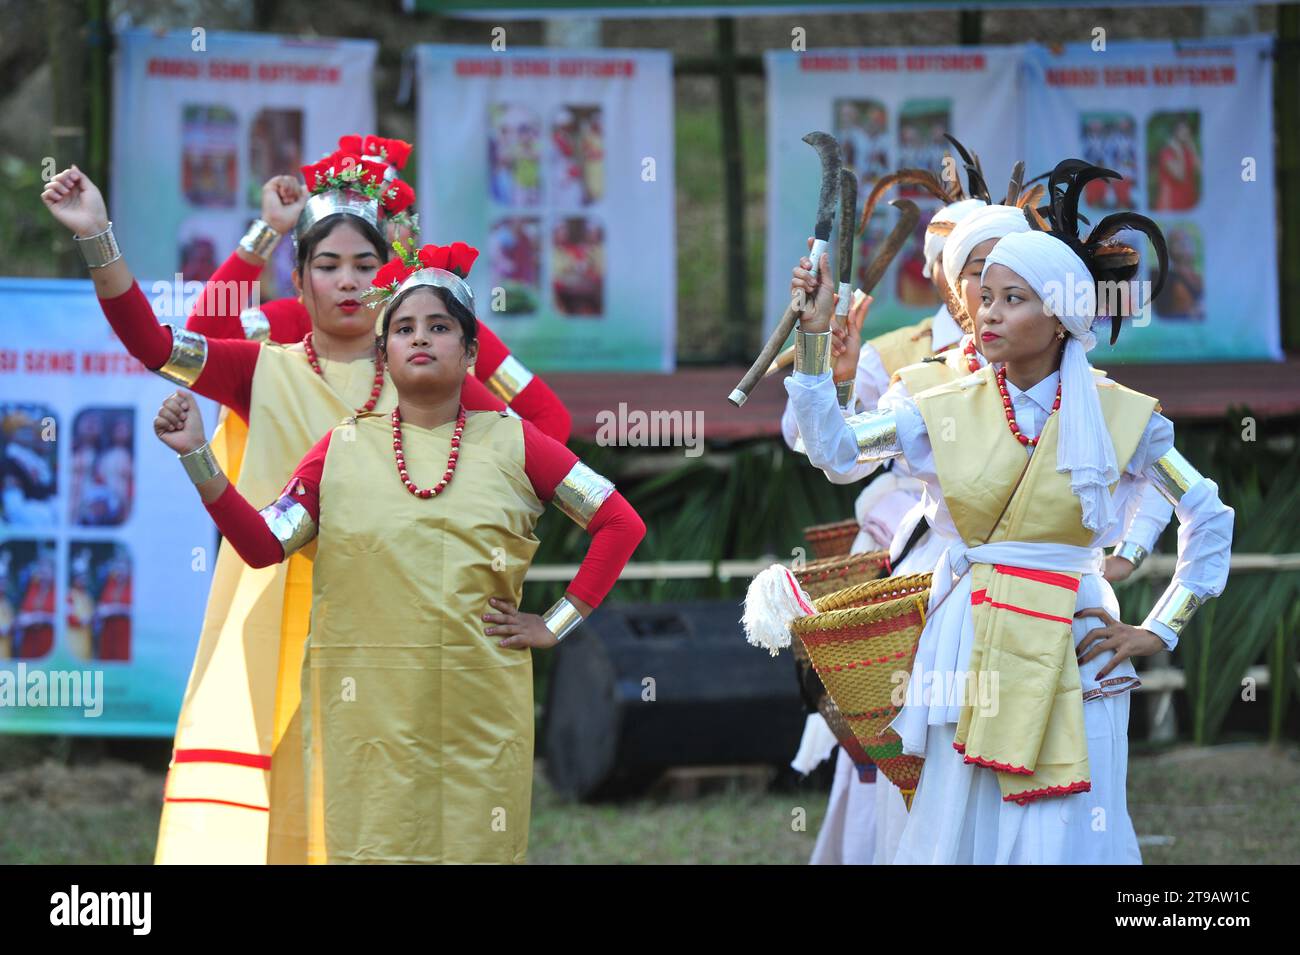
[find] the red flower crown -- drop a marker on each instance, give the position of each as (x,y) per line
(457,258)
(362,165)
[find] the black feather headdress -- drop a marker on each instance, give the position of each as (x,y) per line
(1108,260)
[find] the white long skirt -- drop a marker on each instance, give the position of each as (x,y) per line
(958,815)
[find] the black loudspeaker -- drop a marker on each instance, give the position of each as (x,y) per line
(641,688)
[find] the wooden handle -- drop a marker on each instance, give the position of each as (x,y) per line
(779,334)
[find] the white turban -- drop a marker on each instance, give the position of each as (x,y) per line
(934,241)
(1084,446)
(990,222)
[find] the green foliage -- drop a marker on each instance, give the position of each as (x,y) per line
(1256,618)
(27,231)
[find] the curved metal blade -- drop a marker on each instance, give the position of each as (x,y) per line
(829,150)
(848,216)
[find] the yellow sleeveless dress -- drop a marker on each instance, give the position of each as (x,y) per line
(418,727)
(235,791)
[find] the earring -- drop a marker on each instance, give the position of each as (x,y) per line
(1060,334)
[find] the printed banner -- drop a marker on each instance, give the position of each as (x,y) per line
(105,550)
(202,120)
(889,109)
(1190,127)
(558,166)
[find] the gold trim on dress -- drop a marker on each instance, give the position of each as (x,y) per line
(1174,476)
(876,435)
(290,522)
(1175,608)
(510,378)
(189,355)
(581,493)
(257,327)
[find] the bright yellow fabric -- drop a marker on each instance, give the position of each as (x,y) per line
(237,699)
(419,729)
(1022,626)
(904,346)
(228,440)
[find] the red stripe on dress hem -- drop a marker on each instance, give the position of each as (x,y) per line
(959,747)
(233,757)
(220,802)
(1042,576)
(1024,798)
(1000,767)
(1029,613)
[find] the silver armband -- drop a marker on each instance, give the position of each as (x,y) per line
(510,378)
(290,522)
(876,435)
(189,355)
(562,619)
(812,352)
(1174,476)
(1133,553)
(581,493)
(257,327)
(1175,608)
(200,464)
(844,392)
(260,239)
(98,250)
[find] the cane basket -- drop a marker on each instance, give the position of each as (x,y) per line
(861,643)
(820,578)
(831,540)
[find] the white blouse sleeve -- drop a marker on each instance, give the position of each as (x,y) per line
(828,436)
(1204,525)
(869,384)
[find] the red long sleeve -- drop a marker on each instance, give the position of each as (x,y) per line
(227,375)
(289,320)
(216,310)
(242,525)
(616,529)
(226,294)
(536,402)
(475,396)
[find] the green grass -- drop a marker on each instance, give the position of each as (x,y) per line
(1225,804)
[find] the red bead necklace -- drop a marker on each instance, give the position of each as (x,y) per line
(451,460)
(314,361)
(1001,376)
(972,363)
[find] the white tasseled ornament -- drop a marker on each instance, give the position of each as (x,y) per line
(774,600)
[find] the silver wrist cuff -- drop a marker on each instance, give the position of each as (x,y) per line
(98,250)
(290,522)
(1174,476)
(876,435)
(189,355)
(1133,553)
(844,392)
(260,239)
(257,327)
(200,464)
(812,352)
(562,619)
(1175,608)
